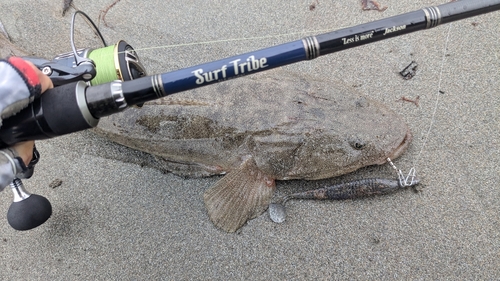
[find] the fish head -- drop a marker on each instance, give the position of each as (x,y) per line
(362,132)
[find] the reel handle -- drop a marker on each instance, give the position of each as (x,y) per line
(28,210)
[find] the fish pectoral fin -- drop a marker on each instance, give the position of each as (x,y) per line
(241,195)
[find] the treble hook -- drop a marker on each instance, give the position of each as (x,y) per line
(409,180)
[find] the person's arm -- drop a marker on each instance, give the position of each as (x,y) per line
(20,83)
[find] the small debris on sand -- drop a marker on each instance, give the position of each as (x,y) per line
(410,71)
(405,99)
(372,5)
(66,5)
(313,5)
(55,183)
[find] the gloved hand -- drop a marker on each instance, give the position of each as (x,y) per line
(20,83)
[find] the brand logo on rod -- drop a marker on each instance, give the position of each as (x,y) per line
(394,29)
(251,64)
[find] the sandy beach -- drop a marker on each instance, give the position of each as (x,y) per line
(116,217)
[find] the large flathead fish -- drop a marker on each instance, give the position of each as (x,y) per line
(258,129)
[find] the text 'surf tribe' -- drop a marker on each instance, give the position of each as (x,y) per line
(251,64)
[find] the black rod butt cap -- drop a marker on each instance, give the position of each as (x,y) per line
(29,213)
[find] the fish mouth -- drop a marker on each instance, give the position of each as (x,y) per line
(400,149)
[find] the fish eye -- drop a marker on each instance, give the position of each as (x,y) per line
(357,144)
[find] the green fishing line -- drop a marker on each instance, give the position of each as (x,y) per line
(104,60)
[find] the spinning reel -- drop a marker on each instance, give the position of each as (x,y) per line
(94,67)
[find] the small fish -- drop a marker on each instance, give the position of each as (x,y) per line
(350,190)
(257,129)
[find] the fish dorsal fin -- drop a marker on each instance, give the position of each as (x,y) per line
(241,195)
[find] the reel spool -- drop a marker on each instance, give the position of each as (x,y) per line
(115,62)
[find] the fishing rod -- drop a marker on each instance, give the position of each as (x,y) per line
(82,105)
(90,84)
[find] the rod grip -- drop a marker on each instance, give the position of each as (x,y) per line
(59,111)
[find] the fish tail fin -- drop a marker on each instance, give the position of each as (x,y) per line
(241,195)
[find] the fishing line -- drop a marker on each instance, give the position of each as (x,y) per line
(114,63)
(104,64)
(232,40)
(408,180)
(433,118)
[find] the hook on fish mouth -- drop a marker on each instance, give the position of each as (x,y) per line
(400,149)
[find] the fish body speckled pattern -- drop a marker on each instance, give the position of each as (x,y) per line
(272,126)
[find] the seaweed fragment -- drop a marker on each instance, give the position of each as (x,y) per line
(415,101)
(105,11)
